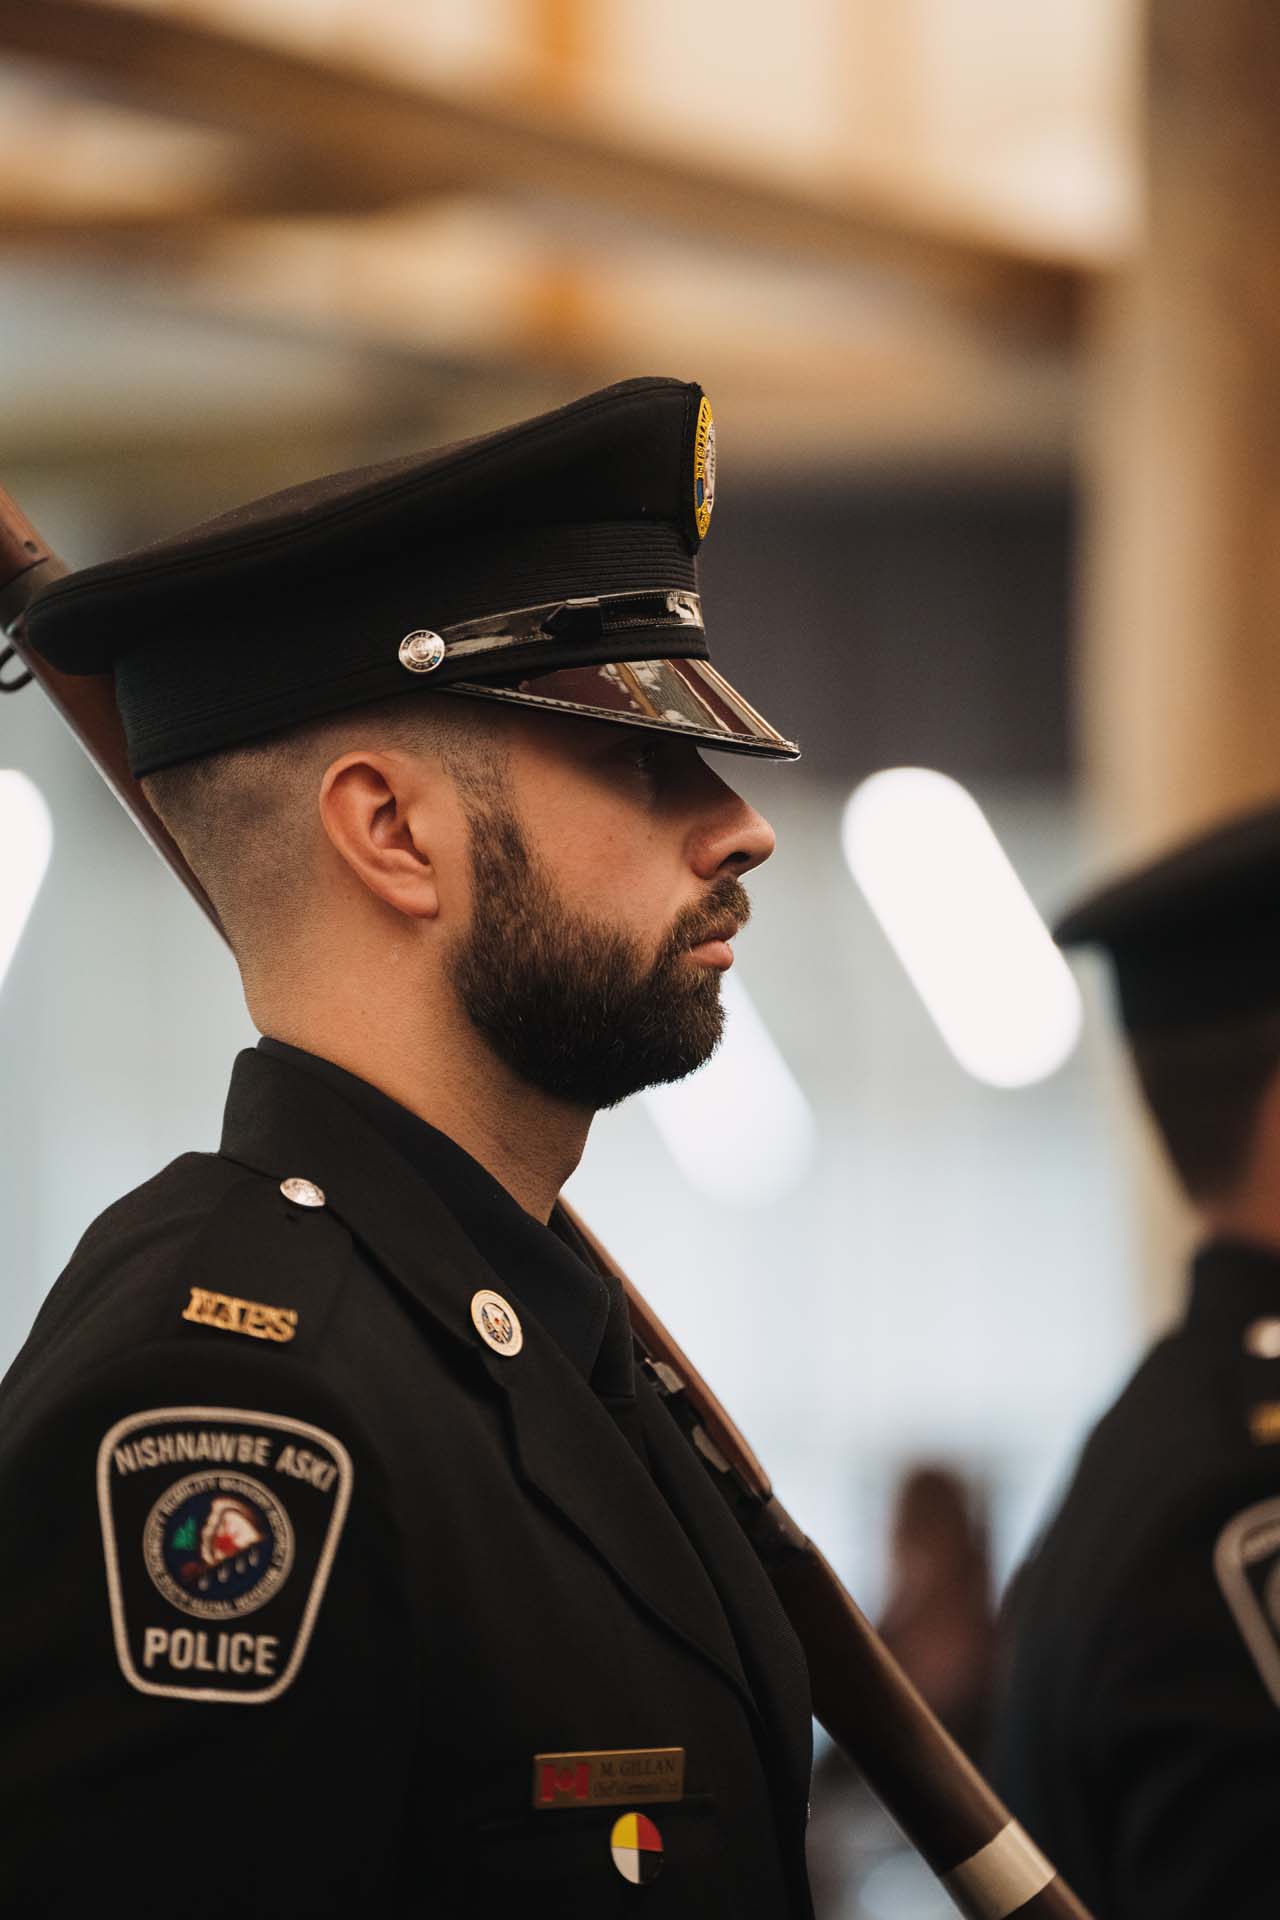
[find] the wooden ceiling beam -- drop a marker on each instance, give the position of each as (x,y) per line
(71,171)
(394,139)
(461,286)
(90,226)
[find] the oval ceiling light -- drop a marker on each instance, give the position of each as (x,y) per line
(26,841)
(739,1129)
(960,921)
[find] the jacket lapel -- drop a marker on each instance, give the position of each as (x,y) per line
(775,1664)
(282,1122)
(570,1450)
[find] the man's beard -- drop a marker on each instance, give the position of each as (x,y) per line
(570,1004)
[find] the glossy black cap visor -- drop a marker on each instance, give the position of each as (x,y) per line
(684,697)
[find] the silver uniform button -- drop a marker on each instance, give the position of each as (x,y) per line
(497,1323)
(421,651)
(1262,1337)
(303,1193)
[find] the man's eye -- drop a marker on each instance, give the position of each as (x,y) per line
(645,756)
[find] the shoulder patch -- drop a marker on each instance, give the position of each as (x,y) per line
(219,1530)
(1246,1561)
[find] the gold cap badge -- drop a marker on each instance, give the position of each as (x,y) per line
(704,467)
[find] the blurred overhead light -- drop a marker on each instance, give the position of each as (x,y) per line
(960,921)
(26,841)
(739,1129)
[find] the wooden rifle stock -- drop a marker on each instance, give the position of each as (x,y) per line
(861,1695)
(87,702)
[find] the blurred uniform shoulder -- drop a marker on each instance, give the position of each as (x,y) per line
(1181,1450)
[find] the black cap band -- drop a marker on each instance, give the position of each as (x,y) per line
(287,658)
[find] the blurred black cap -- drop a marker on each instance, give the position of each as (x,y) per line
(1195,935)
(552,563)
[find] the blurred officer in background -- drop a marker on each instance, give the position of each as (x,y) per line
(1140,1735)
(349,1563)
(938,1618)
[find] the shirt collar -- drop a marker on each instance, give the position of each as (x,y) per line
(547,1268)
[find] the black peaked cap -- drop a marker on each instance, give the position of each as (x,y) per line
(1193,936)
(551,563)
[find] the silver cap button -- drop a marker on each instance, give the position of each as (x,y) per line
(421,651)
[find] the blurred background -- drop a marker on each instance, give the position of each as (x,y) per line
(983,296)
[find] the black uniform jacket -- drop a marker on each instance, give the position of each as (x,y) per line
(1140,1735)
(300,1579)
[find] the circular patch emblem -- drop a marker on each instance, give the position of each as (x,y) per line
(217,1545)
(497,1323)
(421,651)
(636,1846)
(704,467)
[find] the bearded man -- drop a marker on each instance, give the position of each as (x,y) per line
(341,1424)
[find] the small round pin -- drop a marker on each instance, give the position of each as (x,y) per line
(421,651)
(303,1193)
(636,1846)
(497,1323)
(1262,1337)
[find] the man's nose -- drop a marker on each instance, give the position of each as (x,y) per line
(735,839)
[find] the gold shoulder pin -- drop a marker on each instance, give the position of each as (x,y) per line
(251,1317)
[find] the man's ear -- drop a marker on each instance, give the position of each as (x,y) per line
(374,808)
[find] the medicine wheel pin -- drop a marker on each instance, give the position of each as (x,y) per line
(636,1846)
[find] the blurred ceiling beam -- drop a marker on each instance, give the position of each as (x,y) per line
(105,221)
(1020,427)
(461,285)
(360,132)
(74,171)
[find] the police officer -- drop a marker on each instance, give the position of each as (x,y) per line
(1140,1737)
(349,1563)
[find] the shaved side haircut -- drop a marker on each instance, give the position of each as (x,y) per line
(246,818)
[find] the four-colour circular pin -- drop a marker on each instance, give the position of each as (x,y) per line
(636,1846)
(497,1323)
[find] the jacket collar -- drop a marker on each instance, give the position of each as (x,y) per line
(283,1122)
(561,1287)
